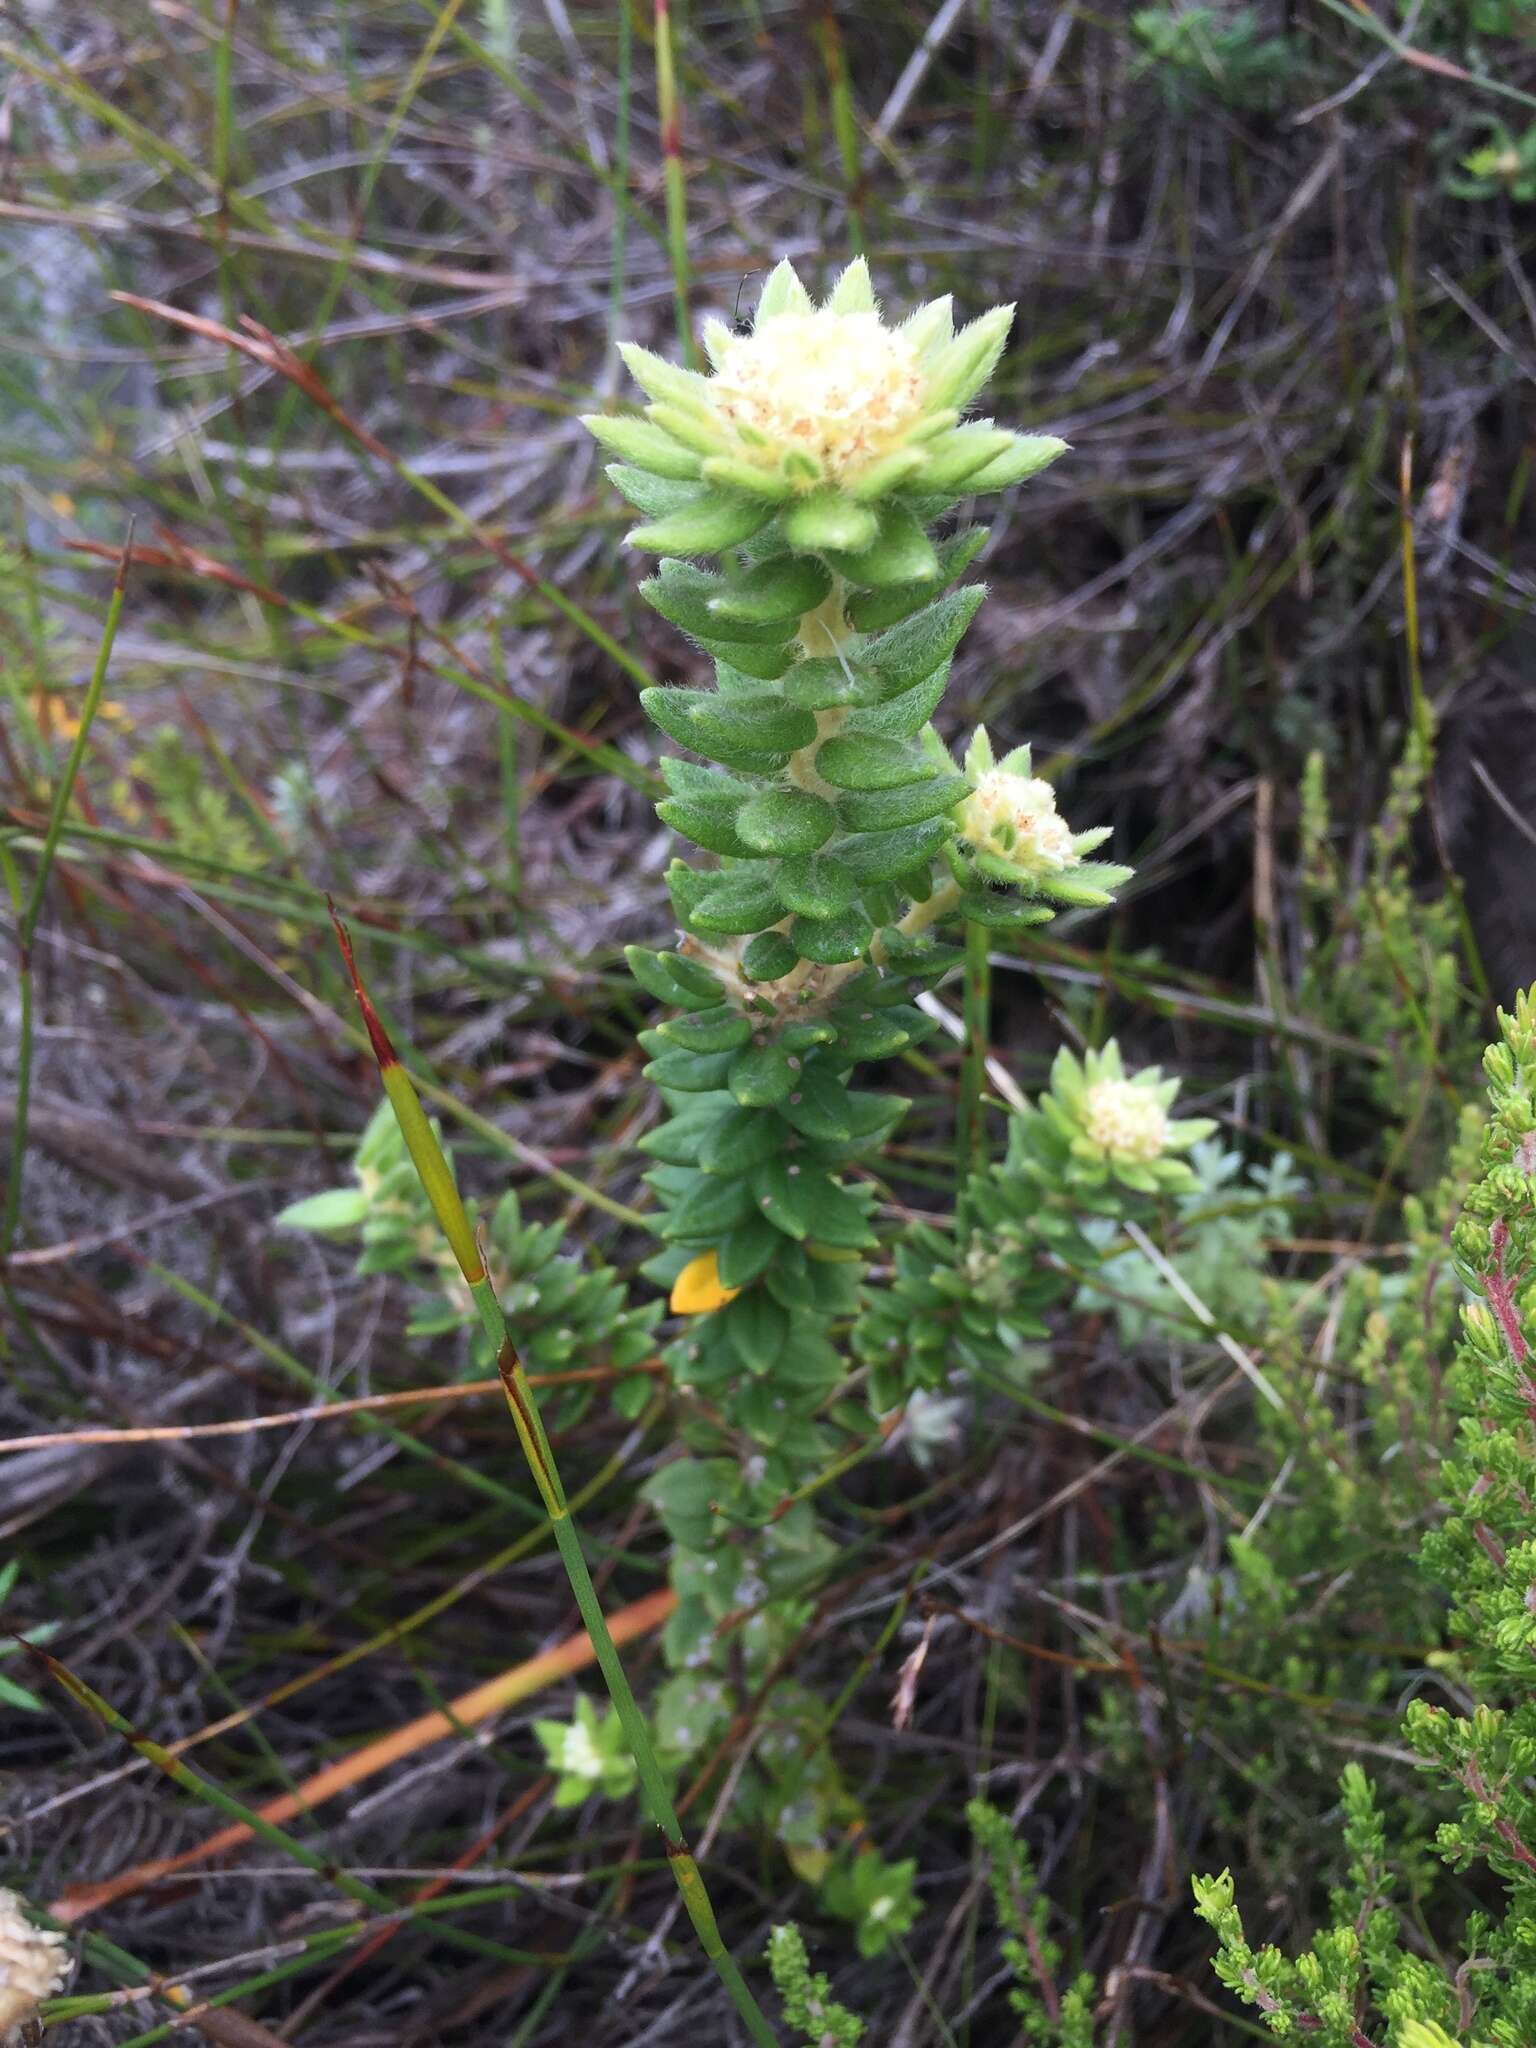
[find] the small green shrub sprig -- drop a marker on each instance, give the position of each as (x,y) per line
(198,811)
(1503,165)
(842,846)
(1306,1643)
(569,1310)
(1053,2018)
(1389,966)
(1095,1146)
(1200,52)
(809,2007)
(1363,1983)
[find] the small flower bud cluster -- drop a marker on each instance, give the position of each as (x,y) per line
(588,1754)
(826,393)
(1014,818)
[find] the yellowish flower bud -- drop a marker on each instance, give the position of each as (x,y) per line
(580,1756)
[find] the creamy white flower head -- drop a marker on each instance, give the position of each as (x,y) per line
(845,429)
(33,1964)
(579,1754)
(841,390)
(1010,819)
(1015,817)
(1125,1120)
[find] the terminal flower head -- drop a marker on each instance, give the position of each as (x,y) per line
(823,416)
(1124,1121)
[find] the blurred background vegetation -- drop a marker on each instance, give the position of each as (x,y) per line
(1268,620)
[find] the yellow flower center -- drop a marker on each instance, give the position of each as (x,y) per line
(1125,1121)
(1015,817)
(842,388)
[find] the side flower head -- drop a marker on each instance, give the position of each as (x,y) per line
(1015,835)
(823,418)
(1115,1126)
(1124,1121)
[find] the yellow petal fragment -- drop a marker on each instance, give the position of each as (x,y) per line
(60,722)
(697,1289)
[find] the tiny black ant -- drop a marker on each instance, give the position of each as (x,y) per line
(740,324)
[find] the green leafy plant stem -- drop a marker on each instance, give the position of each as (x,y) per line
(920,916)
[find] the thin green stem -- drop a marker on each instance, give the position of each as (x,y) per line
(436,1177)
(1424,726)
(844,123)
(971,1155)
(670,116)
(1423,723)
(619,256)
(212,1794)
(31,909)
